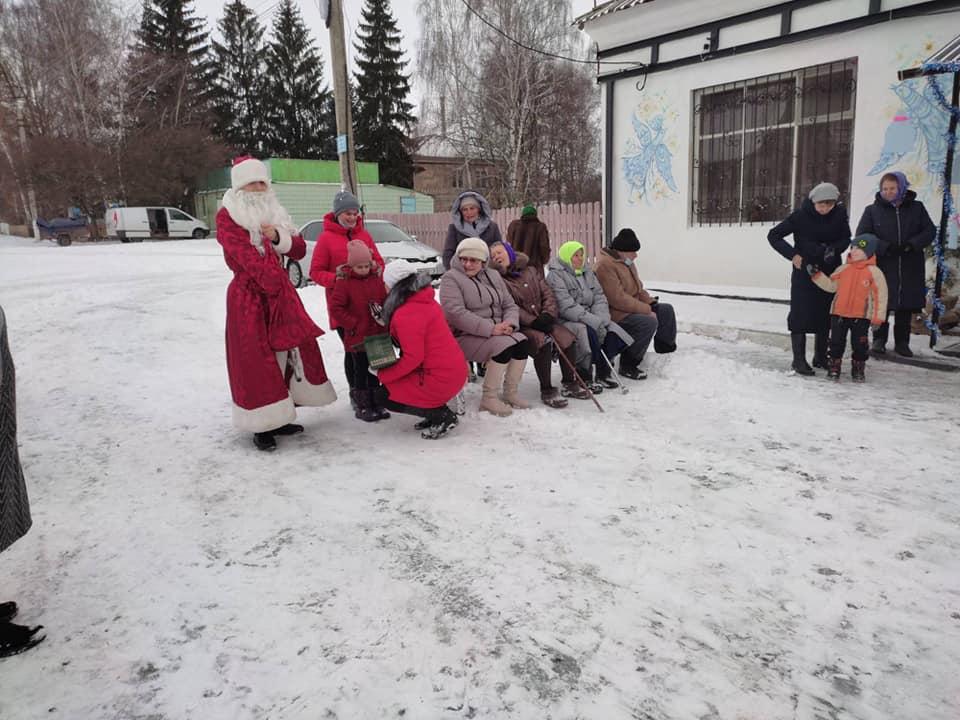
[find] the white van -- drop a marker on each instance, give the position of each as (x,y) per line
(136,223)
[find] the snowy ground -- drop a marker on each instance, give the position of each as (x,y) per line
(726,542)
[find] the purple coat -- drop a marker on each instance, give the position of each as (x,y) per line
(473,306)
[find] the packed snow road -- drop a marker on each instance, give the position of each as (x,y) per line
(726,542)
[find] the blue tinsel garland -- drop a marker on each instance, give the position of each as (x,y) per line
(937,303)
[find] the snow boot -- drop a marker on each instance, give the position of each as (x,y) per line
(15,639)
(492,382)
(629,370)
(551,398)
(833,371)
(879,345)
(820,350)
(511,382)
(265,441)
(901,339)
(441,423)
(800,366)
(288,429)
(365,410)
(574,390)
(586,374)
(374,410)
(857,371)
(603,376)
(8,611)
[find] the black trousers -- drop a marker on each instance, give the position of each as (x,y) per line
(348,368)
(381,397)
(859,342)
(362,378)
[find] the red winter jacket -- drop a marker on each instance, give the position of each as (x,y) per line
(330,253)
(350,305)
(432,368)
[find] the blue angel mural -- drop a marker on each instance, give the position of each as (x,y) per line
(648,159)
(920,117)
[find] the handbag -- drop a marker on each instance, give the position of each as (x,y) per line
(380,350)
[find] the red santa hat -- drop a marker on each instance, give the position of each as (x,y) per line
(248,169)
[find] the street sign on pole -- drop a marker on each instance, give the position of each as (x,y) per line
(341,144)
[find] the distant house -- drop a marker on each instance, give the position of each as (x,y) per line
(439,171)
(735,109)
(306,188)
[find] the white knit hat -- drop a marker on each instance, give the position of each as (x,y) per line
(473,247)
(397,270)
(247,169)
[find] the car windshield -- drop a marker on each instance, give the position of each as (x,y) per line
(312,230)
(384,232)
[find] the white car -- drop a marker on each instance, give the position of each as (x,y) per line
(391,241)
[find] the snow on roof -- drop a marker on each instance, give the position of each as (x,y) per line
(607,8)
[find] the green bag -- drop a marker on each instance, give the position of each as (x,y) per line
(380,351)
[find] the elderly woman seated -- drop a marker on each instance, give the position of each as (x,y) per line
(485,321)
(631,306)
(538,321)
(584,311)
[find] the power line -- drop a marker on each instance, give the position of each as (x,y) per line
(635,63)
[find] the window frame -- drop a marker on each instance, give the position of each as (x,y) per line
(805,80)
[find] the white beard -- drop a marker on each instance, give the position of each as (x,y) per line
(250,210)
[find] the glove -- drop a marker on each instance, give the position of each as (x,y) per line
(544,322)
(376,310)
(812,269)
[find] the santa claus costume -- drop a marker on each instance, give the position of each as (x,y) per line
(273,359)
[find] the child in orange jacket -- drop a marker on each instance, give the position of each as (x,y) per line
(860,302)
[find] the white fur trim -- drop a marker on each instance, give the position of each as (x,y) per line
(286,241)
(248,171)
(304,393)
(267,417)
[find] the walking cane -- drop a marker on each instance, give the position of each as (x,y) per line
(623,388)
(570,365)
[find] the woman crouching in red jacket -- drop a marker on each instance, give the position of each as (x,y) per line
(431,369)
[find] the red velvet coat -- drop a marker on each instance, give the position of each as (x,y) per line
(432,368)
(330,253)
(268,376)
(350,305)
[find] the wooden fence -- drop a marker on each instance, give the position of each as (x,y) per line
(579,222)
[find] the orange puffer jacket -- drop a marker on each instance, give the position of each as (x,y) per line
(861,290)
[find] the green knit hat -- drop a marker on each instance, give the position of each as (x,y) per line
(566,253)
(528,211)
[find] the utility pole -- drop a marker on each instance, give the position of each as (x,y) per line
(20,101)
(341,98)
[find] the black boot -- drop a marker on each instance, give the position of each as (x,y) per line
(15,639)
(879,345)
(586,374)
(288,429)
(630,370)
(379,410)
(834,365)
(441,423)
(603,376)
(820,350)
(365,409)
(901,337)
(265,441)
(8,611)
(799,343)
(857,368)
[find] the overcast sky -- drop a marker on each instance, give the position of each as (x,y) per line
(404,10)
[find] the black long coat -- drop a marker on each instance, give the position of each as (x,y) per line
(904,232)
(14,506)
(819,240)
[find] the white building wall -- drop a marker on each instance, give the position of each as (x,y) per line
(672,248)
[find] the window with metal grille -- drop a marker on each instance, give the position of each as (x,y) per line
(761,144)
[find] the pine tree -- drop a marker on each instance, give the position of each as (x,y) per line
(171,65)
(238,79)
(297,99)
(383,118)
